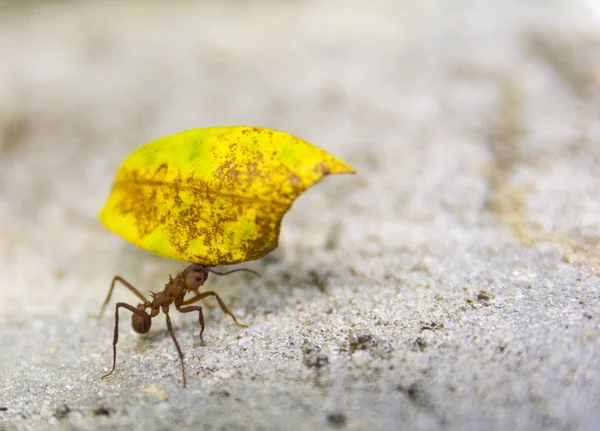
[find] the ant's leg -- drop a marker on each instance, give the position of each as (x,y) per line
(200,318)
(203,295)
(134,310)
(170,328)
(127,285)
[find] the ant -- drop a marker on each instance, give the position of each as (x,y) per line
(188,280)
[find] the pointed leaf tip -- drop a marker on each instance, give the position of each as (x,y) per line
(336,166)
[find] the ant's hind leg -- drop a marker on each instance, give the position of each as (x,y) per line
(221,304)
(135,311)
(127,285)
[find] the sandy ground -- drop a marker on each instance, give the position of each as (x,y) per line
(453,283)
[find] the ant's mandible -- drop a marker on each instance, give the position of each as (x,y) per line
(187,281)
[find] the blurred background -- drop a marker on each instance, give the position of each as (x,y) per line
(473,125)
(392,87)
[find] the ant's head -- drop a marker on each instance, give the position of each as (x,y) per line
(195,275)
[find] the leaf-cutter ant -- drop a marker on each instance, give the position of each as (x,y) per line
(187,281)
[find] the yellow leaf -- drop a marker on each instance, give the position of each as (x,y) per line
(213,196)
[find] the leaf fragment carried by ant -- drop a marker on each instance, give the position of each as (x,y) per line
(214,196)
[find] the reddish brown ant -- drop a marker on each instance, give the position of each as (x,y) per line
(188,280)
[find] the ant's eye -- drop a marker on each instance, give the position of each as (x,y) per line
(198,278)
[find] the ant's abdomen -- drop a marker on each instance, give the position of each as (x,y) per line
(140,324)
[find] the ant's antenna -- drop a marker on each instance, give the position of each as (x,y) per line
(258,274)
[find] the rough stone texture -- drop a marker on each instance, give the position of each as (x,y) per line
(453,283)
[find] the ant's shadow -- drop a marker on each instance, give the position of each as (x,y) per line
(283,283)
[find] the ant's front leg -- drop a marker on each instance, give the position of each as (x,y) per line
(200,317)
(127,285)
(203,295)
(142,317)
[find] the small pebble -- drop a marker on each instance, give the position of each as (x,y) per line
(245,342)
(361,357)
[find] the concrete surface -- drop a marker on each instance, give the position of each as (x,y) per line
(451,284)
